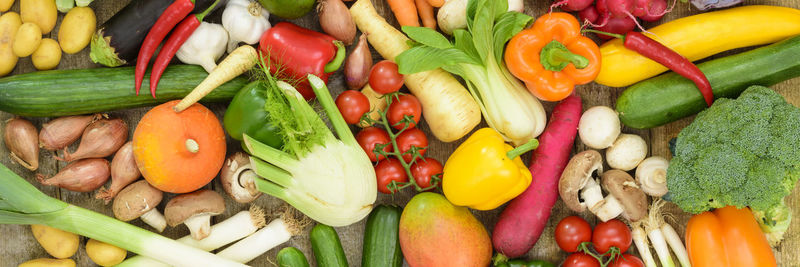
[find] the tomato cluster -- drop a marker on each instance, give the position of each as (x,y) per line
(612,238)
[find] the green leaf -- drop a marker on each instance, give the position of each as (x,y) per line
(427,36)
(498,8)
(481,30)
(425,58)
(463,40)
(508,25)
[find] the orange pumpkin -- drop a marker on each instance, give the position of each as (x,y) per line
(179,152)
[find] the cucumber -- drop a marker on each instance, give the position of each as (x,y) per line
(670,97)
(291,257)
(381,240)
(327,248)
(83,91)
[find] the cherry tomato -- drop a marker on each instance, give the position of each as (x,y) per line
(389,170)
(352,104)
(580,259)
(404,105)
(613,233)
(412,137)
(368,137)
(627,260)
(423,171)
(571,232)
(384,78)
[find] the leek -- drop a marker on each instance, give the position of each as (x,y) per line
(477,56)
(22,203)
(330,180)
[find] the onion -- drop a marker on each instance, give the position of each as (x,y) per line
(81,176)
(64,131)
(335,19)
(358,64)
(20,138)
(123,172)
(101,139)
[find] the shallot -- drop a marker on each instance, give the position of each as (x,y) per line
(81,176)
(358,64)
(101,139)
(20,139)
(123,172)
(335,19)
(64,131)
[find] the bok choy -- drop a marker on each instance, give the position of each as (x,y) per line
(22,203)
(477,56)
(330,180)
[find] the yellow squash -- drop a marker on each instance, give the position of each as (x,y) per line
(697,37)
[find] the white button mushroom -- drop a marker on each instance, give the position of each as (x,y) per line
(195,210)
(652,176)
(139,200)
(627,152)
(599,127)
(238,178)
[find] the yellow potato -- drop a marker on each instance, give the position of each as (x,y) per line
(76,29)
(5,5)
(57,243)
(47,56)
(9,25)
(44,262)
(104,254)
(41,12)
(28,38)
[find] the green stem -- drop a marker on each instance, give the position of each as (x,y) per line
(325,99)
(396,148)
(270,188)
(530,145)
(23,196)
(338,59)
(555,57)
(269,154)
(272,173)
(201,16)
(618,36)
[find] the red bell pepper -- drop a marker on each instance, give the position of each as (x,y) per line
(297,52)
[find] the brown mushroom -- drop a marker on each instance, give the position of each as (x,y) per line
(577,176)
(139,200)
(624,196)
(195,210)
(238,178)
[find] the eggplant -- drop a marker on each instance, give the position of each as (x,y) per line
(117,41)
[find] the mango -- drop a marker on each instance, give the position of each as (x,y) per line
(434,232)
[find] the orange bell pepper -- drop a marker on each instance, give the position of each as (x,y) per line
(727,237)
(552,56)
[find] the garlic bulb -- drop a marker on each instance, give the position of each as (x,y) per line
(205,46)
(245,21)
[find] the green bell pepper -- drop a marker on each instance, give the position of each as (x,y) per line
(246,114)
(288,9)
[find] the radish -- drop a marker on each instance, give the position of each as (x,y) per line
(615,25)
(601,6)
(572,5)
(656,10)
(589,14)
(620,8)
(640,7)
(522,221)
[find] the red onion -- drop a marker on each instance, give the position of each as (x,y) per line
(101,139)
(358,64)
(64,131)
(123,172)
(81,176)
(20,138)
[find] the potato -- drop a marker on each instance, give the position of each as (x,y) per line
(41,12)
(57,243)
(47,56)
(9,25)
(104,254)
(5,5)
(28,38)
(76,29)
(44,262)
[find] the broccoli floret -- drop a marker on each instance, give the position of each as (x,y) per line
(742,152)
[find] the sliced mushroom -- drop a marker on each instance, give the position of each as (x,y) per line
(139,200)
(238,178)
(577,176)
(195,210)
(652,176)
(625,197)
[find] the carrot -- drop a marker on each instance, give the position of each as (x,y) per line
(426,14)
(436,3)
(522,221)
(447,106)
(405,11)
(239,61)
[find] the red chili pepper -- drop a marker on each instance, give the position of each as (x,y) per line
(179,35)
(298,51)
(174,14)
(663,55)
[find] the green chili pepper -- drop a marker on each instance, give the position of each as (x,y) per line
(246,114)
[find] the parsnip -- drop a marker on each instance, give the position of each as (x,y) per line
(375,103)
(447,106)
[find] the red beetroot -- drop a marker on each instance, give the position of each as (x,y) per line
(522,221)
(81,176)
(615,25)
(590,13)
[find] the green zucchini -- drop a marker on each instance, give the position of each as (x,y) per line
(83,91)
(327,248)
(670,97)
(381,241)
(291,257)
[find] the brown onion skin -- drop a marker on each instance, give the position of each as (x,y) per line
(358,64)
(335,19)
(62,132)
(123,172)
(20,137)
(101,139)
(84,175)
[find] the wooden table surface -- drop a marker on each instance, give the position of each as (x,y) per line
(18,245)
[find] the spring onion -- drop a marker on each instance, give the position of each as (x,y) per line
(22,203)
(277,232)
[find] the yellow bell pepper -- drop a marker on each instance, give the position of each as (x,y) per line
(697,37)
(484,172)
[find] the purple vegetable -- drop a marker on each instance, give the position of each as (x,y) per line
(709,4)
